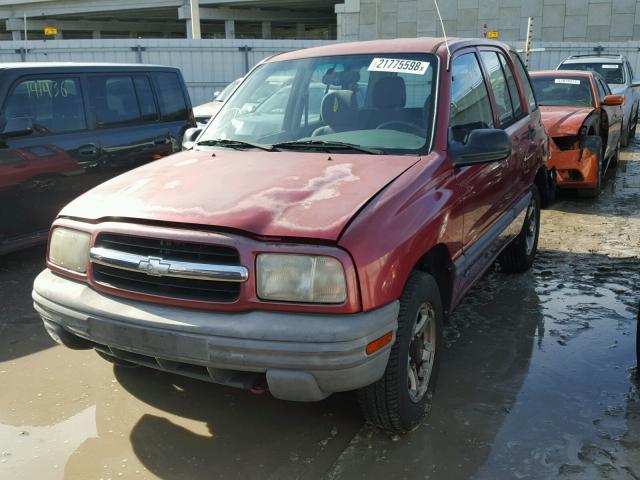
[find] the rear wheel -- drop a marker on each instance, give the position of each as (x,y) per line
(401,398)
(624,137)
(632,130)
(519,255)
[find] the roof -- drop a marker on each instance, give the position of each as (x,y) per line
(77,65)
(562,73)
(594,59)
(396,45)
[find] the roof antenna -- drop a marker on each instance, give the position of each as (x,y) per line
(446,41)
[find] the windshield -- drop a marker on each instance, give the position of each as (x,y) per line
(612,72)
(563,91)
(228,90)
(378,101)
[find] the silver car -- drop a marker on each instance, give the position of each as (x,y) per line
(618,74)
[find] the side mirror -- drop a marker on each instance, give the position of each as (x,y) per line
(613,100)
(18,127)
(189,137)
(216,94)
(482,146)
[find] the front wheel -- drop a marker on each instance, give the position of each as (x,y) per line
(401,398)
(519,255)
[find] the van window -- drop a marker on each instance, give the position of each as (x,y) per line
(170,97)
(113,100)
(145,99)
(470,105)
(53,104)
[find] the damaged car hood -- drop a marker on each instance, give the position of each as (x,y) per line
(281,194)
(563,121)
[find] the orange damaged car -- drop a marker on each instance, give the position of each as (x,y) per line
(584,121)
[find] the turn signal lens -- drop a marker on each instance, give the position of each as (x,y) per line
(379,343)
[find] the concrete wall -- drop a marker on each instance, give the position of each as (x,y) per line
(554,20)
(206,65)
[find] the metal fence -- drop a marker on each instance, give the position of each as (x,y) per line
(206,65)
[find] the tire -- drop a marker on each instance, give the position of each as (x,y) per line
(520,254)
(116,361)
(632,130)
(638,346)
(390,403)
(549,191)
(624,136)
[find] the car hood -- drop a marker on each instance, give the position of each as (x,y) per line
(207,109)
(281,194)
(563,121)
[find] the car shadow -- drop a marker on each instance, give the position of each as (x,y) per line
(21,330)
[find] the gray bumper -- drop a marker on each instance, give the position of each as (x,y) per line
(304,356)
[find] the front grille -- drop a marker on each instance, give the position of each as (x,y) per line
(566,143)
(167,286)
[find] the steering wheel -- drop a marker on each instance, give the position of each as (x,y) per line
(407,127)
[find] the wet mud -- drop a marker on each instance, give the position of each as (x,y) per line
(537,381)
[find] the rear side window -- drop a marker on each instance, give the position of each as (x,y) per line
(470,104)
(526,81)
(53,104)
(499,87)
(113,100)
(170,96)
(145,99)
(513,87)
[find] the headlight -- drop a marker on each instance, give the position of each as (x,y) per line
(300,278)
(69,249)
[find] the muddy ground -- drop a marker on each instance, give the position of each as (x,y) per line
(536,382)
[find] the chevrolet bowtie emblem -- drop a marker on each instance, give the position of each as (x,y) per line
(155,266)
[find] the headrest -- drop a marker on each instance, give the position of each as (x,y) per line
(389,92)
(338,107)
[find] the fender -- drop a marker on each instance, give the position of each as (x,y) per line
(419,210)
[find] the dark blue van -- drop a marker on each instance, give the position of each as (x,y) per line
(65,128)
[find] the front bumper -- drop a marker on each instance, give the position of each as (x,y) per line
(305,357)
(575,168)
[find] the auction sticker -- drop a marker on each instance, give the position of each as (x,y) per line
(567,81)
(398,65)
(610,66)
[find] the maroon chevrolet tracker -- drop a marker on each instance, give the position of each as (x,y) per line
(313,241)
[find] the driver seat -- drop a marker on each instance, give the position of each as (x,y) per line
(389,99)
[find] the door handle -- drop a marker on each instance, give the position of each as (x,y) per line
(88,150)
(160,140)
(531,133)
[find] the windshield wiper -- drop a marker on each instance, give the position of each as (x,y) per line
(327,145)
(226,142)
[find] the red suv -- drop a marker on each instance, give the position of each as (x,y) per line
(315,242)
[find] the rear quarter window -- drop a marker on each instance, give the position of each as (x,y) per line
(170,96)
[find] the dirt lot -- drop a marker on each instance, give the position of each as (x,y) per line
(536,382)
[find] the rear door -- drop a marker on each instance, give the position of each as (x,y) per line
(125,114)
(614,118)
(43,171)
(513,118)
